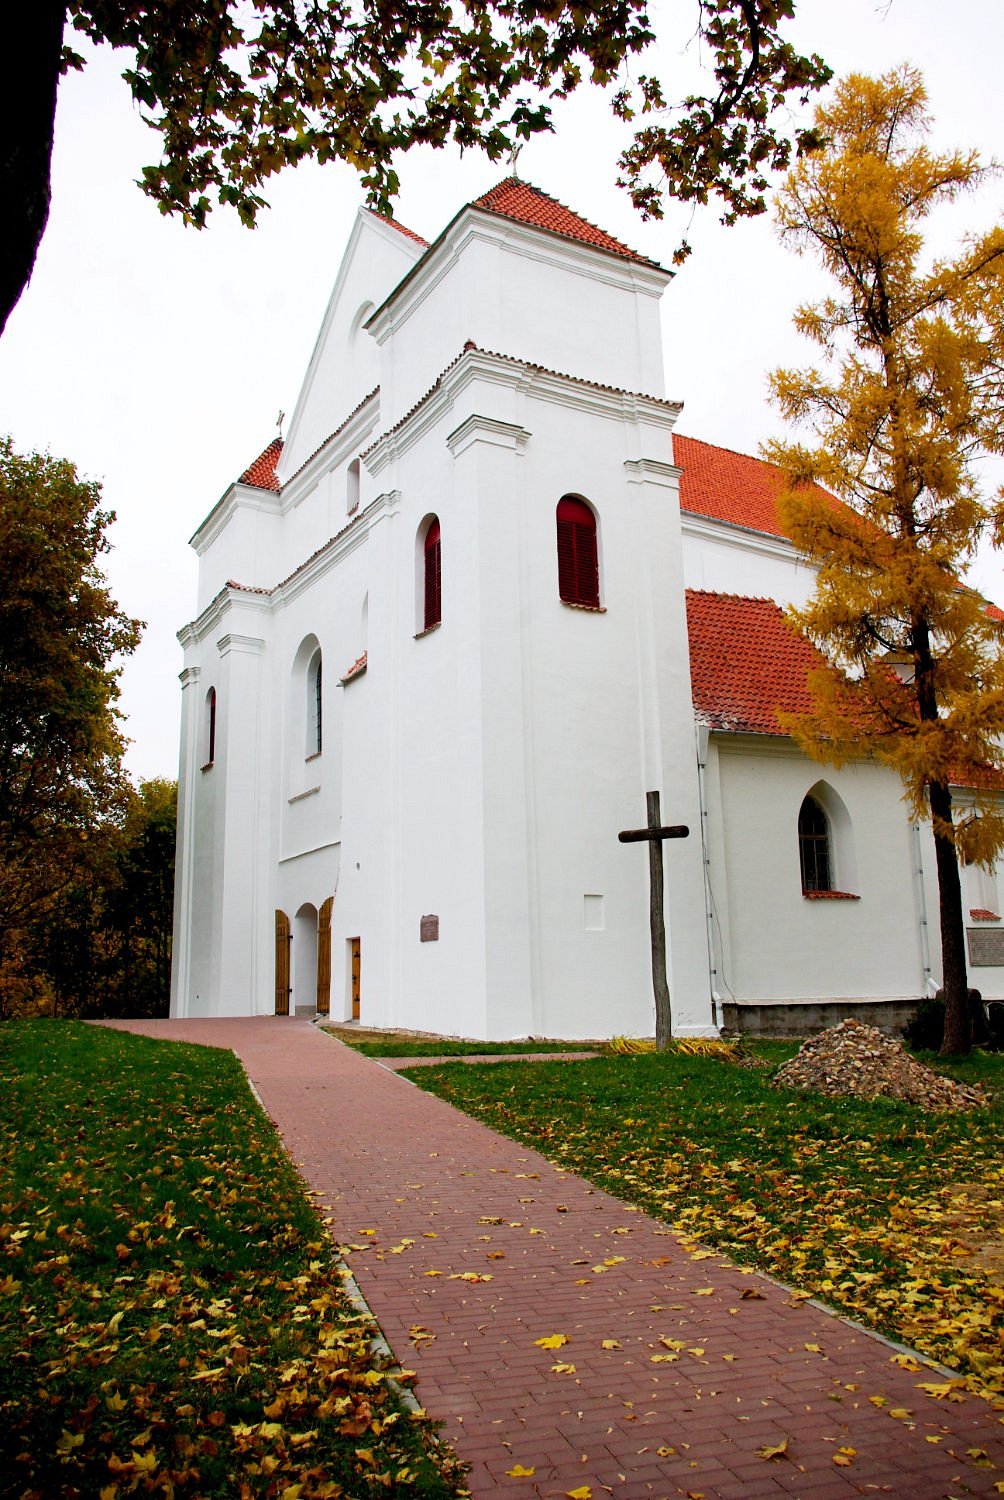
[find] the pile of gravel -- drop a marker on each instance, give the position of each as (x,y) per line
(853,1058)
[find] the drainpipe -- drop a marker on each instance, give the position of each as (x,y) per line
(930,988)
(703,734)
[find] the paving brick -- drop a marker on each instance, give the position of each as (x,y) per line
(382,1155)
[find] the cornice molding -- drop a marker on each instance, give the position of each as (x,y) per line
(249,645)
(479,429)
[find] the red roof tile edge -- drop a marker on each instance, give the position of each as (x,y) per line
(983,914)
(260,474)
(357,669)
(522,202)
(470,347)
(830,896)
(401,228)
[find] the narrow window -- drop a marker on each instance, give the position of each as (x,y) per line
(814,847)
(433,612)
(314,702)
(210,726)
(578,573)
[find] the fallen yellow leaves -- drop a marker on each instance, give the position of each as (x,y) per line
(774,1450)
(519,1472)
(552,1341)
(844,1457)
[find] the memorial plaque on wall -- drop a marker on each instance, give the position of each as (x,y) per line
(429,929)
(986,947)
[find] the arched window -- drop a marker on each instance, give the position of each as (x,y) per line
(210,728)
(814,847)
(314,703)
(578,571)
(433,575)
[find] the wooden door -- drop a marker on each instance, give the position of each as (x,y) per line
(356,969)
(283,938)
(324,957)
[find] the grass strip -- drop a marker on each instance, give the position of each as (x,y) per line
(891,1214)
(171,1321)
(399,1044)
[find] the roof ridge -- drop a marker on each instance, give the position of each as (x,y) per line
(739,598)
(736,452)
(600,239)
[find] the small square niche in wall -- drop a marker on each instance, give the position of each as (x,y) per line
(593,913)
(428,929)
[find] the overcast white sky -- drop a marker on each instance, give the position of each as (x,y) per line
(158,358)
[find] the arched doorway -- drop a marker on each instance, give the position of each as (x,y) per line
(305,960)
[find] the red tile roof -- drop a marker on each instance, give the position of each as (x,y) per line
(513,199)
(727,486)
(401,228)
(357,668)
(746,663)
(261,474)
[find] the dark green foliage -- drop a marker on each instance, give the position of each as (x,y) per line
(62,640)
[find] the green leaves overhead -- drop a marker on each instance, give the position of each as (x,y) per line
(238,92)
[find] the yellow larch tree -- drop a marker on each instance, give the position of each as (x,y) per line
(907,405)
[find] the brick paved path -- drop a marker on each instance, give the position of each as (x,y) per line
(426,1196)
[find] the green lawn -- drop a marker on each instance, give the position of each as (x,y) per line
(403,1044)
(170,1319)
(878,1208)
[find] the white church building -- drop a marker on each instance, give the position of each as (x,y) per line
(451,631)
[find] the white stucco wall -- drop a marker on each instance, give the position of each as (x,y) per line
(772,943)
(515,291)
(726,559)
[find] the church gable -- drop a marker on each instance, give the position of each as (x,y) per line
(526,204)
(345,363)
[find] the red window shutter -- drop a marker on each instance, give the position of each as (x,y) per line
(433,577)
(578,571)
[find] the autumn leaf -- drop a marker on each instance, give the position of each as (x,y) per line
(552,1341)
(610,1343)
(519,1472)
(563,1369)
(774,1450)
(582,1493)
(844,1457)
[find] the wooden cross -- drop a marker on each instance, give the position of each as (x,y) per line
(653,835)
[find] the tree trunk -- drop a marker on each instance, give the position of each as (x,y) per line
(958,1031)
(34,42)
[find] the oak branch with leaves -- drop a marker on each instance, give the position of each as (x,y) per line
(239,89)
(908,402)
